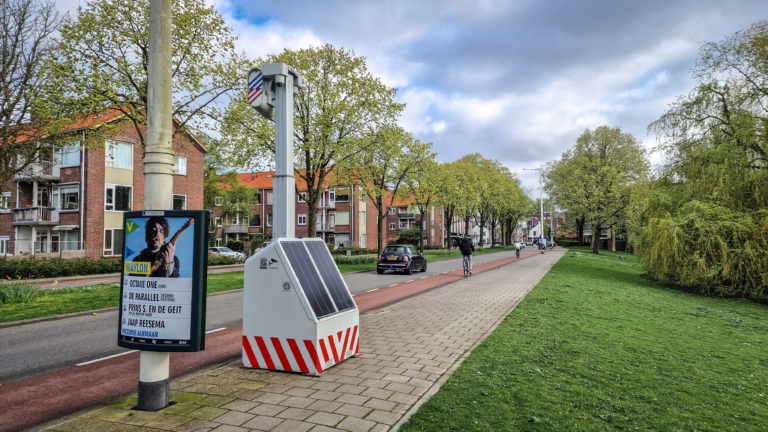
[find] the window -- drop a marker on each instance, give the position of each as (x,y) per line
(5,202)
(119,155)
(302,197)
(342,196)
(68,155)
(363,196)
(433,223)
(118,198)
(302,219)
(363,240)
(218,201)
(342,218)
(180,165)
(402,209)
(257,198)
(392,226)
(179,202)
(217,221)
(113,242)
(269,197)
(269,219)
(69,197)
(404,223)
(255,220)
(4,242)
(393,211)
(362,217)
(70,240)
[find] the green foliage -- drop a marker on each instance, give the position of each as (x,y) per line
(410,236)
(235,245)
(102,59)
(215,260)
(56,267)
(358,259)
(353,251)
(568,243)
(19,292)
(703,223)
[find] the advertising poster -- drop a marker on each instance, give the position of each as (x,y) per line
(157,291)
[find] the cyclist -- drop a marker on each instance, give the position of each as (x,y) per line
(518,246)
(466,247)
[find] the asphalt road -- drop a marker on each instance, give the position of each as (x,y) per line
(35,349)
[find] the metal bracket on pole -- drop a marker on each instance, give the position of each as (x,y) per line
(270,93)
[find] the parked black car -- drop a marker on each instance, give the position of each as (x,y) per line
(401,258)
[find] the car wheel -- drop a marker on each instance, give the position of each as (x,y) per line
(424,268)
(379,271)
(409,270)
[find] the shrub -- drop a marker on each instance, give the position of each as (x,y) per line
(358,259)
(215,260)
(56,267)
(567,243)
(235,245)
(19,292)
(353,251)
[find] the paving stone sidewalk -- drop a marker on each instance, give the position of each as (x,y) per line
(406,351)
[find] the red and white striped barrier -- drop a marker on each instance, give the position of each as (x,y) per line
(304,356)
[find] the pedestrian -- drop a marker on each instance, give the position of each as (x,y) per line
(518,246)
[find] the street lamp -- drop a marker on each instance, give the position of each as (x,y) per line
(541,191)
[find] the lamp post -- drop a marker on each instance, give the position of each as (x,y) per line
(541,194)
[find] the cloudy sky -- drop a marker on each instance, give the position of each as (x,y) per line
(517,81)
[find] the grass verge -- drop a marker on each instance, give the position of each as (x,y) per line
(597,345)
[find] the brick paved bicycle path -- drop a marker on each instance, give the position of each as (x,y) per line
(407,350)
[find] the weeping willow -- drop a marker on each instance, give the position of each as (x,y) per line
(703,223)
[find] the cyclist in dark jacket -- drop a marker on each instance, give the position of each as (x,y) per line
(466,247)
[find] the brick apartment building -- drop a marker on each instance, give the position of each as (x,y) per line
(345,217)
(535,229)
(74,206)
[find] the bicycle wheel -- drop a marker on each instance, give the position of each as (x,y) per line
(466,268)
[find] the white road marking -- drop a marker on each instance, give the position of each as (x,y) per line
(393,285)
(423,277)
(218,329)
(105,358)
(372,290)
(410,280)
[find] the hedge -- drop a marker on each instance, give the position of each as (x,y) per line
(353,251)
(359,259)
(37,268)
(567,243)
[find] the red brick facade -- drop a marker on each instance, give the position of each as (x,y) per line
(92,200)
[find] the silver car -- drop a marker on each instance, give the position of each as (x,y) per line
(225,251)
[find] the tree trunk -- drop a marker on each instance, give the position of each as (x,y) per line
(311,216)
(596,240)
(482,226)
(466,225)
(382,215)
(613,240)
(580,231)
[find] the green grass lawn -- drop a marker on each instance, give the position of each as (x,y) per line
(597,345)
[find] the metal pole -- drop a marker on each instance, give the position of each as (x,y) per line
(541,201)
(284,205)
(154,382)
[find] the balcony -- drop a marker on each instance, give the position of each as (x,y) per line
(326,203)
(236,229)
(406,216)
(325,226)
(39,172)
(36,216)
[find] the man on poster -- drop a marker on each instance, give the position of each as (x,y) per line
(159,253)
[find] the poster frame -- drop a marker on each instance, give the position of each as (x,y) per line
(199,281)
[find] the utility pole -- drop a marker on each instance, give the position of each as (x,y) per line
(541,194)
(154,382)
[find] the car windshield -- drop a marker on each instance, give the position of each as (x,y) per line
(394,249)
(225,250)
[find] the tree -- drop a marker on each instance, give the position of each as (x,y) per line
(703,221)
(424,187)
(28,136)
(594,178)
(340,104)
(383,171)
(471,179)
(450,194)
(102,59)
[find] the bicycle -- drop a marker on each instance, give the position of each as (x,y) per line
(466,266)
(517,251)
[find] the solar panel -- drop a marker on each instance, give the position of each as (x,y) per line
(331,276)
(309,279)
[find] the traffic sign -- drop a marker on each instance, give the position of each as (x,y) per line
(255,88)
